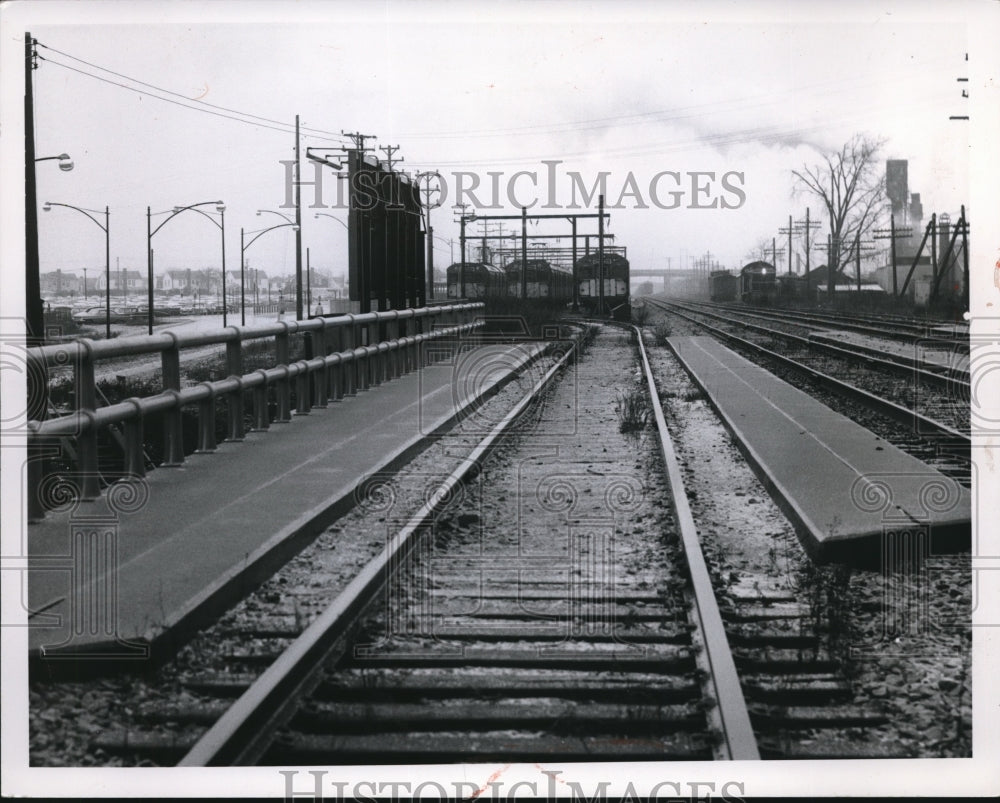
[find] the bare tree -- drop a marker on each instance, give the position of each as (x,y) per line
(761,251)
(850,183)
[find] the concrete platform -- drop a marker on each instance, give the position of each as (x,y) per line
(128,578)
(851,495)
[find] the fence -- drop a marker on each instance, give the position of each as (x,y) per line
(341,358)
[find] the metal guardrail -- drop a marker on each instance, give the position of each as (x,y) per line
(346,360)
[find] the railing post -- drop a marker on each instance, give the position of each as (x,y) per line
(282,389)
(349,342)
(135,458)
(302,405)
(261,418)
(321,384)
(392,362)
(86,402)
(234,368)
(364,369)
(206,422)
(420,358)
(337,374)
(173,421)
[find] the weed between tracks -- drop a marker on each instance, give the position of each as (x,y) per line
(662,332)
(632,410)
(827,591)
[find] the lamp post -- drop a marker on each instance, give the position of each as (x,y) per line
(243,249)
(34,319)
(106,228)
(220,207)
(332,217)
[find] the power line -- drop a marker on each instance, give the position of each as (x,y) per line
(286,126)
(290,130)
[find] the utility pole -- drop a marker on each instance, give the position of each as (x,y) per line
(892,234)
(788,231)
(34,320)
(576,284)
(600,251)
(933,235)
(427,190)
(807,226)
(965,259)
(461,239)
(524,252)
(775,253)
(389,150)
(298,228)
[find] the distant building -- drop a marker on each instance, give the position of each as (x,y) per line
(131,281)
(185,282)
(59,283)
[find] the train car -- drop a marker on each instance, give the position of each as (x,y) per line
(616,281)
(793,290)
(757,283)
(543,280)
(723,286)
(482,280)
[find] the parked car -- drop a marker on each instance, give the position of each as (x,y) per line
(91,315)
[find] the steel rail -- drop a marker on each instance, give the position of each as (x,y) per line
(721,682)
(917,331)
(888,408)
(243,733)
(943,376)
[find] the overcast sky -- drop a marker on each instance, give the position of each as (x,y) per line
(633,90)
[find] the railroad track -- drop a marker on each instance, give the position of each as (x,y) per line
(575,634)
(936,442)
(949,377)
(903,329)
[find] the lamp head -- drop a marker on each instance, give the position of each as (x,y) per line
(65,163)
(47,207)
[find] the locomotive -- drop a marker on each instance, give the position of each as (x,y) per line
(757,283)
(616,281)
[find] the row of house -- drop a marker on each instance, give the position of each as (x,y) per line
(186,282)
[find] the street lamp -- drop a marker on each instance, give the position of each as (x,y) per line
(65,162)
(34,318)
(106,228)
(220,207)
(244,246)
(297,228)
(332,217)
